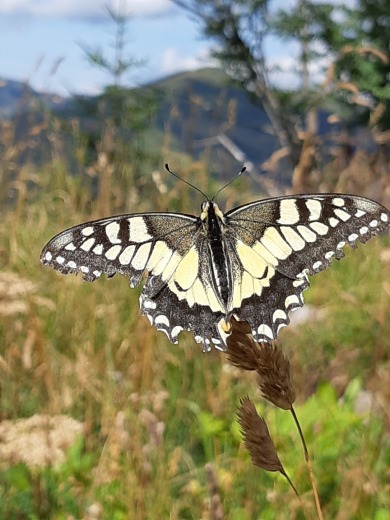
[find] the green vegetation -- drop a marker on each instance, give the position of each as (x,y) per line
(156,414)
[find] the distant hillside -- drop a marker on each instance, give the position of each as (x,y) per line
(204,111)
(201,111)
(17,98)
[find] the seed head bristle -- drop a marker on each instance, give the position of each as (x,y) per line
(242,351)
(257,438)
(275,376)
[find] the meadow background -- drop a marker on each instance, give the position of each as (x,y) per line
(101,417)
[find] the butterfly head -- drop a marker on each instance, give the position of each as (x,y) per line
(210,210)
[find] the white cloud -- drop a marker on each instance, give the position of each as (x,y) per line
(173,61)
(90,9)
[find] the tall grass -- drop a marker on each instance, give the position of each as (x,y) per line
(160,436)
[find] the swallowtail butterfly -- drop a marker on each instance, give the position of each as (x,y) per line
(252,262)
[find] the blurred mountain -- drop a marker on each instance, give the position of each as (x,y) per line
(201,112)
(17,97)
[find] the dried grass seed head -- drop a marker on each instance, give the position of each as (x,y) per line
(257,438)
(241,346)
(266,359)
(275,376)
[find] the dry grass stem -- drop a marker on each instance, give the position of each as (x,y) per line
(309,466)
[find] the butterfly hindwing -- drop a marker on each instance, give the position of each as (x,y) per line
(187,300)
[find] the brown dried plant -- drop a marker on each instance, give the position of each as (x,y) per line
(276,386)
(259,443)
(257,438)
(270,363)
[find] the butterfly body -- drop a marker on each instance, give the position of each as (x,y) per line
(252,262)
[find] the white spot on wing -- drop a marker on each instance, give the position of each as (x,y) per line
(159,258)
(161,320)
(265,330)
(84,269)
(87,231)
(87,245)
(307,234)
(280,326)
(363,230)
(353,237)
(126,255)
(138,230)
(279,314)
(317,265)
(319,228)
(329,254)
(112,230)
(334,221)
(292,237)
(60,259)
(338,201)
(48,256)
(315,207)
(373,223)
(289,213)
(98,249)
(384,217)
(72,264)
(149,304)
(141,257)
(70,247)
(113,252)
(176,331)
(292,300)
(343,215)
(360,213)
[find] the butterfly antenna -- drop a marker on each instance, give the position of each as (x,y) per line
(234,178)
(186,182)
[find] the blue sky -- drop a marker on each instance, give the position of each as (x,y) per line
(35,35)
(39,33)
